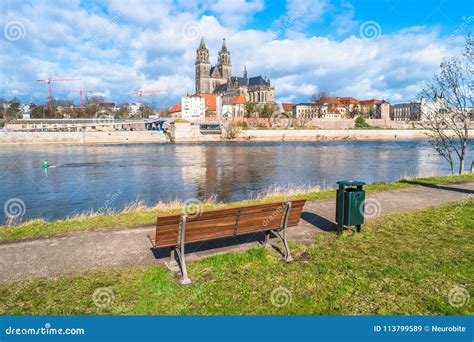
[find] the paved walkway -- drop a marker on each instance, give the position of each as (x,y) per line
(82,251)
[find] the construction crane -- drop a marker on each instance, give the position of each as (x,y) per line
(147,92)
(81,92)
(49,80)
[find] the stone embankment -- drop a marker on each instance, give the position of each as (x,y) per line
(113,137)
(185,132)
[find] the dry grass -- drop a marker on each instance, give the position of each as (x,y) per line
(406,264)
(290,190)
(137,213)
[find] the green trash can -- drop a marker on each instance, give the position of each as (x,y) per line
(350,199)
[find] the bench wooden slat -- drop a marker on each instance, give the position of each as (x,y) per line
(162,242)
(260,222)
(167,230)
(212,214)
(210,234)
(169,219)
(222,224)
(216,223)
(175,217)
(205,220)
(176,230)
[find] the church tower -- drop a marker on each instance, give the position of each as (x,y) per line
(223,62)
(203,69)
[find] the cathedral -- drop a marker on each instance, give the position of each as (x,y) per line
(218,79)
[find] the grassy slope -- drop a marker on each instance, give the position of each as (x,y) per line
(402,264)
(134,218)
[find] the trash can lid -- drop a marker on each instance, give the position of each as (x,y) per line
(350,183)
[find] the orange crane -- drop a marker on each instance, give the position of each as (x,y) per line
(81,92)
(49,80)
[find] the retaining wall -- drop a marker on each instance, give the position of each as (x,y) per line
(185,132)
(119,137)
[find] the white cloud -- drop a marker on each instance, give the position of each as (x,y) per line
(343,21)
(128,49)
(300,14)
(308,11)
(236,13)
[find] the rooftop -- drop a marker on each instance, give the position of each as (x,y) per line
(175,108)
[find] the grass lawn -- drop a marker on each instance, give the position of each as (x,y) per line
(404,264)
(147,216)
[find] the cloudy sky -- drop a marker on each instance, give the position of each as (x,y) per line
(365,49)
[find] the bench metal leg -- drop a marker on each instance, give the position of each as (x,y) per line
(182,263)
(172,262)
(182,259)
(288,257)
(267,237)
(281,233)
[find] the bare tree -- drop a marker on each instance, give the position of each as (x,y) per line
(230,130)
(320,102)
(447,112)
(352,111)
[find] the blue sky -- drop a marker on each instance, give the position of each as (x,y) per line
(365,49)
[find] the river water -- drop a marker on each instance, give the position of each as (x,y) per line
(96,177)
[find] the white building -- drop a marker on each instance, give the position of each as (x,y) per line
(26,111)
(415,110)
(134,109)
(333,115)
(409,111)
(305,110)
(193,108)
(231,106)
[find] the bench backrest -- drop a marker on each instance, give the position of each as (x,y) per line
(220,223)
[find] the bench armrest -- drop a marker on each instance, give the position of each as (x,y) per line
(152,240)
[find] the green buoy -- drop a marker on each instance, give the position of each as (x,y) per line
(45,164)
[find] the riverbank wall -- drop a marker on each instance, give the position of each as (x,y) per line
(334,134)
(115,137)
(320,123)
(185,132)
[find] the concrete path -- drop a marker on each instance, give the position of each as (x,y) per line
(103,249)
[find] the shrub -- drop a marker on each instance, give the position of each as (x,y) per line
(360,122)
(230,130)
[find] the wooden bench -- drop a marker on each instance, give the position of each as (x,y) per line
(176,231)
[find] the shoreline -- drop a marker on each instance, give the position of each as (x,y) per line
(140,137)
(144,216)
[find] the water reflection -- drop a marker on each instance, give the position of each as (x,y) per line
(83,178)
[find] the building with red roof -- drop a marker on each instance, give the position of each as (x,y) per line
(176,109)
(333,107)
(231,106)
(210,102)
(287,107)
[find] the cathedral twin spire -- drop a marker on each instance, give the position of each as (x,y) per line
(224,47)
(202,53)
(208,76)
(202,45)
